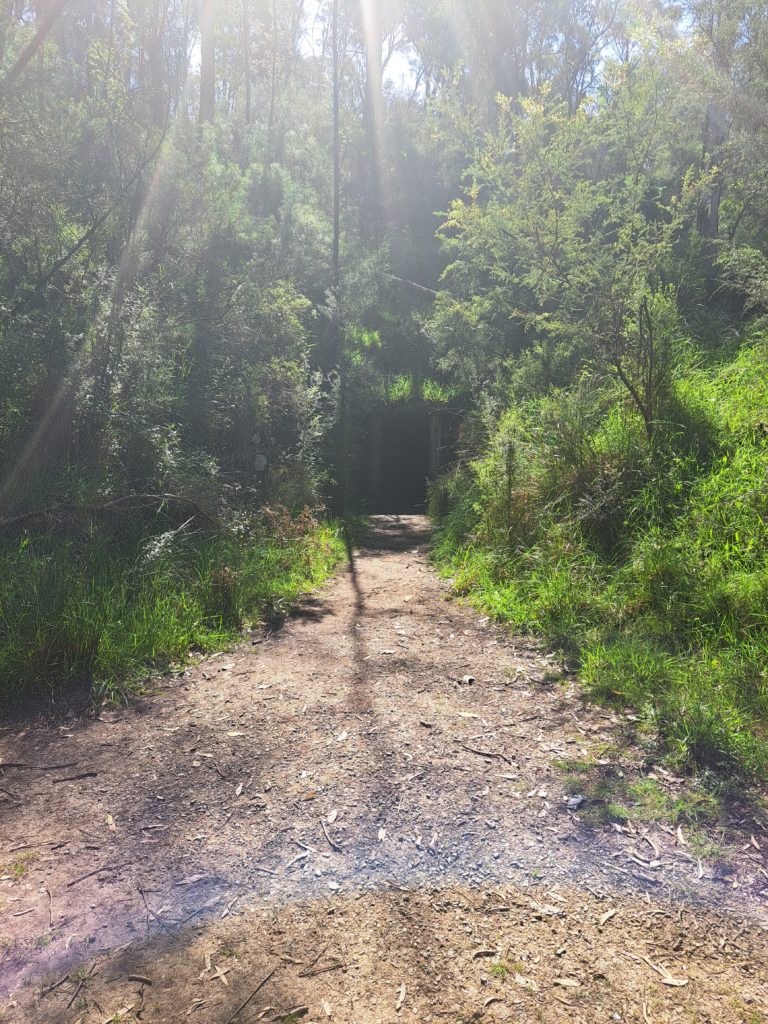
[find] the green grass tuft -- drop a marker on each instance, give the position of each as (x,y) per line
(105,612)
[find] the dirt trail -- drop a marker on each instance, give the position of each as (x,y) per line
(369,802)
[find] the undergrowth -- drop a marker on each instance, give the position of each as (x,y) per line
(646,561)
(102,609)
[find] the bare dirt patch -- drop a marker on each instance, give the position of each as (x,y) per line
(382,784)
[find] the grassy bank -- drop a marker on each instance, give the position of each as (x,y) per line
(647,562)
(105,607)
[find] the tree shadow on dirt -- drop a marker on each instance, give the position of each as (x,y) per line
(386,534)
(169,973)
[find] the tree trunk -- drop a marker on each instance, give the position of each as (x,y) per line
(374,118)
(157,101)
(247,61)
(714,135)
(29,51)
(338,334)
(207,60)
(272,89)
(335,268)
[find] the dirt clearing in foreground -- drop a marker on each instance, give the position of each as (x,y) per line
(373,804)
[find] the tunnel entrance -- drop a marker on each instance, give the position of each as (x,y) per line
(404,461)
(403,451)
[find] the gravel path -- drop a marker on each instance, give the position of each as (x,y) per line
(382,777)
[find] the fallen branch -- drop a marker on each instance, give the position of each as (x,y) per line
(75,778)
(82,878)
(331,843)
(484,753)
(52,988)
(80,984)
(258,988)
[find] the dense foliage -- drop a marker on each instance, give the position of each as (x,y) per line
(647,565)
(607,265)
(551,221)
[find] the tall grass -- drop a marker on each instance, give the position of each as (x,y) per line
(102,611)
(646,563)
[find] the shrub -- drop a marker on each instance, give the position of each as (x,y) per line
(647,559)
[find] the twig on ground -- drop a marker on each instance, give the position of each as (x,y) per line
(80,984)
(331,843)
(36,846)
(54,986)
(335,966)
(82,878)
(258,988)
(297,858)
(233,901)
(150,911)
(50,906)
(302,974)
(484,753)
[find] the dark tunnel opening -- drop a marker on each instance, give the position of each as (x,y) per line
(399,461)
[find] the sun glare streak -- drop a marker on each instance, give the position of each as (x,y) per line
(125,273)
(372,33)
